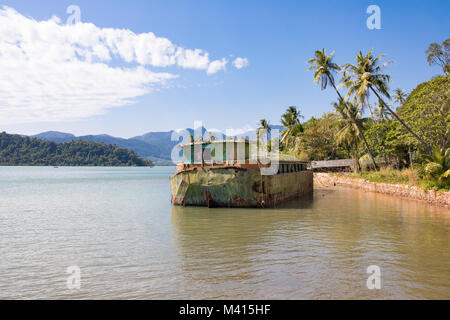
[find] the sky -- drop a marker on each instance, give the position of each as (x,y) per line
(131,67)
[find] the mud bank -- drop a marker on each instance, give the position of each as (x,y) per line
(437,198)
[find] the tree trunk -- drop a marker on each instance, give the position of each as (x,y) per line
(356,168)
(427,147)
(357,124)
(410,156)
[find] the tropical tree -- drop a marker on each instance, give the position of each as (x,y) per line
(348,128)
(439,55)
(379,113)
(437,167)
(263,125)
(317,141)
(399,96)
(325,68)
(291,121)
(366,76)
(427,112)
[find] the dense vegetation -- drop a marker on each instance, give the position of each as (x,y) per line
(408,136)
(17,150)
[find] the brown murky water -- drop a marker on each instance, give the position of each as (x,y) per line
(118,227)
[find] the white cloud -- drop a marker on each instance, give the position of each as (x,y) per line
(217,65)
(247,129)
(55,72)
(240,63)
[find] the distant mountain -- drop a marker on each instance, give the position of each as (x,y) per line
(157,152)
(155,146)
(55,136)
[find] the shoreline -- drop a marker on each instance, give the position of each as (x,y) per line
(437,198)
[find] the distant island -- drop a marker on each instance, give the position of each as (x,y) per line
(16,150)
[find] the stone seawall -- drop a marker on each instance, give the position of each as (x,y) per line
(400,190)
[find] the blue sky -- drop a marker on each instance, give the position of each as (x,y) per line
(277,38)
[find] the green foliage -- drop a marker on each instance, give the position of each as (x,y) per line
(437,168)
(317,141)
(406,176)
(387,140)
(426,111)
(20,151)
(291,121)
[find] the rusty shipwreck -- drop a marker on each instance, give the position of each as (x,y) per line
(230,173)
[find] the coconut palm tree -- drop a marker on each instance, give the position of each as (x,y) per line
(291,121)
(366,76)
(348,130)
(380,113)
(325,68)
(399,96)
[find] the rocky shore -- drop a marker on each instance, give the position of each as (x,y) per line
(438,198)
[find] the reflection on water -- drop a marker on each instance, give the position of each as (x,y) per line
(118,226)
(316,248)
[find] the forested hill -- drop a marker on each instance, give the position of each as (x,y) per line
(17,150)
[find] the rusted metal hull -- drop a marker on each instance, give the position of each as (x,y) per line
(237,187)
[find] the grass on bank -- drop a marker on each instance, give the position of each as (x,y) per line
(410,177)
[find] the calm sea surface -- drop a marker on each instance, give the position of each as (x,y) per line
(118,226)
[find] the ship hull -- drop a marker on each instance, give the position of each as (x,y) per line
(237,187)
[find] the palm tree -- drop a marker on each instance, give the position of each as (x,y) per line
(291,121)
(325,68)
(263,125)
(399,96)
(365,77)
(379,113)
(348,129)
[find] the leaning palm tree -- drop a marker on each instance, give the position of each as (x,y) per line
(399,96)
(366,76)
(325,68)
(348,130)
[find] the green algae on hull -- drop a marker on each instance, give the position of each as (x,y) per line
(237,187)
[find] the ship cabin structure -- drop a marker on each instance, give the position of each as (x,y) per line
(239,153)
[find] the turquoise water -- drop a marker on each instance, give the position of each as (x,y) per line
(118,226)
